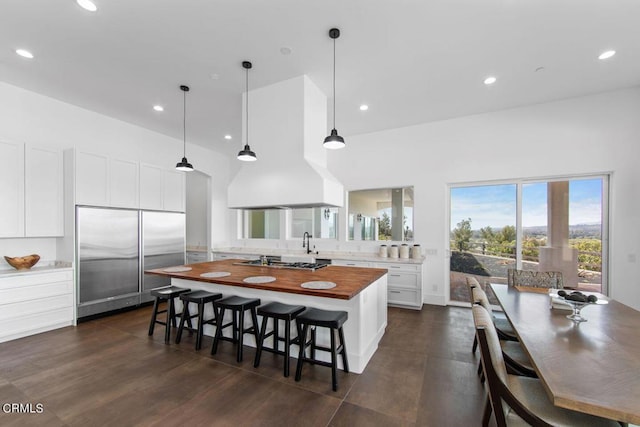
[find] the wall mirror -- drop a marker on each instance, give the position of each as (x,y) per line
(381,214)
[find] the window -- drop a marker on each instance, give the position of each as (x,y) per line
(261,224)
(381,214)
(550,225)
(320,223)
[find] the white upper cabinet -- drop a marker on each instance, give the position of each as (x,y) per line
(123,183)
(12,193)
(150,187)
(92,179)
(102,180)
(173,190)
(31,200)
(44,196)
(161,189)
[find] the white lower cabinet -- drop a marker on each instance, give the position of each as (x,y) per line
(404,284)
(217,256)
(31,303)
(347,263)
(196,256)
(404,281)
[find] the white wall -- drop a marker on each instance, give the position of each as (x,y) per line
(593,134)
(30,117)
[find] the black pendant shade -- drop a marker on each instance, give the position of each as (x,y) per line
(184,165)
(246,155)
(334,141)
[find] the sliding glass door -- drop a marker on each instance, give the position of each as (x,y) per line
(550,225)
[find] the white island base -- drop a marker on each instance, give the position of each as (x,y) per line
(363,330)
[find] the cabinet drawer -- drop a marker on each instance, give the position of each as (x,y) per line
(193,257)
(221,255)
(26,325)
(346,263)
(35,279)
(403,280)
(414,268)
(34,292)
(403,297)
(34,307)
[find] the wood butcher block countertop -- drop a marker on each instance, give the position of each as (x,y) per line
(349,280)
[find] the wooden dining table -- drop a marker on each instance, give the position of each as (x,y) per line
(591,367)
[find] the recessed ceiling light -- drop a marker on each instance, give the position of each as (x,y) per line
(87,5)
(24,53)
(227,137)
(490,80)
(158,108)
(606,55)
(364,107)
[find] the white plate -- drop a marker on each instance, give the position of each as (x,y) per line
(259,279)
(177,269)
(214,274)
(318,285)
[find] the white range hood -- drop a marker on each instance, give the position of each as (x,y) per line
(287,125)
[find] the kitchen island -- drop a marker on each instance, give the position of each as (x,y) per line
(362,292)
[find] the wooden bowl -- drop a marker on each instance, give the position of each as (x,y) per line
(23,262)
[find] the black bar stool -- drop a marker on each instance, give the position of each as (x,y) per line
(326,319)
(277,311)
(237,305)
(167,293)
(201,298)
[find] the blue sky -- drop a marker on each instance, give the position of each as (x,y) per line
(495,205)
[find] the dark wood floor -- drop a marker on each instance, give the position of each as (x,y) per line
(109,372)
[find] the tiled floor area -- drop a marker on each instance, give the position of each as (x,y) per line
(109,372)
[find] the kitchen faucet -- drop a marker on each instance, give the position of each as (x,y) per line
(305,238)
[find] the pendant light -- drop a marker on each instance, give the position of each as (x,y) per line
(184,164)
(334,141)
(246,155)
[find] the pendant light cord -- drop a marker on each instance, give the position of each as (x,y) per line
(247,109)
(334,83)
(184,123)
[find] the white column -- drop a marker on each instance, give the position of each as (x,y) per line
(557,255)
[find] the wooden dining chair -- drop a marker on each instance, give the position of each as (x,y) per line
(502,324)
(472,282)
(517,360)
(535,279)
(519,400)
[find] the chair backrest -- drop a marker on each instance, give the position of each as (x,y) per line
(472,282)
(483,318)
(536,279)
(495,372)
(480,297)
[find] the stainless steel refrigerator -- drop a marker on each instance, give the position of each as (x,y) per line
(115,246)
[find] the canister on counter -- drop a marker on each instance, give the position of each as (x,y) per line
(393,251)
(404,251)
(382,251)
(416,252)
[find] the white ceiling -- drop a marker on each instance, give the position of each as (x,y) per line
(411,61)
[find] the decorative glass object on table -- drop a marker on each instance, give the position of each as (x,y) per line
(577,300)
